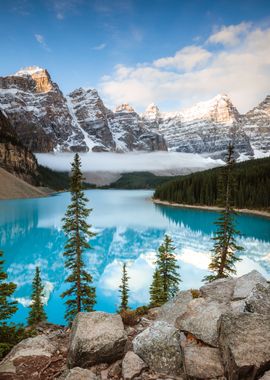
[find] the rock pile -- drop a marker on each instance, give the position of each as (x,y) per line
(222,334)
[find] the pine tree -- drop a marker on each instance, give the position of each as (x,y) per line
(81,295)
(124,289)
(225,245)
(168,269)
(156,290)
(37,313)
(7,307)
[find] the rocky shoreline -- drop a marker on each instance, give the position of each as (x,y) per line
(265,214)
(219,332)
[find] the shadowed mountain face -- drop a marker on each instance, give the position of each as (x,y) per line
(46,120)
(14,157)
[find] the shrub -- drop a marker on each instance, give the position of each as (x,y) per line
(10,335)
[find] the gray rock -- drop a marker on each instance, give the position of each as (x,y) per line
(132,366)
(201,319)
(174,308)
(266,376)
(202,362)
(80,374)
(96,337)
(245,344)
(238,306)
(220,290)
(245,284)
(159,347)
(259,300)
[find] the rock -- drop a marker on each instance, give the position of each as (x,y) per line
(238,306)
(201,319)
(159,347)
(245,345)
(115,370)
(245,284)
(202,362)
(132,366)
(174,308)
(78,373)
(96,337)
(259,300)
(220,290)
(266,376)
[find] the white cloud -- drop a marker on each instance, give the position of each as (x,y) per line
(41,40)
(61,7)
(240,70)
(186,58)
(100,47)
(230,35)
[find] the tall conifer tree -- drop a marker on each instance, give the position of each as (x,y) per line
(81,296)
(167,268)
(37,313)
(156,298)
(124,289)
(225,245)
(7,307)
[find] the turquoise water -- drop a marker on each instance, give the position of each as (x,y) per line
(130,228)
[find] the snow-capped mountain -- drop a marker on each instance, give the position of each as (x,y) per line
(46,120)
(207,127)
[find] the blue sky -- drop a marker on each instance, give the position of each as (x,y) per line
(141,51)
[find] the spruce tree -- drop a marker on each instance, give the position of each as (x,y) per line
(81,296)
(156,290)
(37,313)
(168,269)
(7,307)
(225,246)
(124,289)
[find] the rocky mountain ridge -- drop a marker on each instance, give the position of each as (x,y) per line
(14,157)
(46,120)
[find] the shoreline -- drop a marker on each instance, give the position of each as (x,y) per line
(264,214)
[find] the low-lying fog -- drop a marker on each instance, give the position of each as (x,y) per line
(109,165)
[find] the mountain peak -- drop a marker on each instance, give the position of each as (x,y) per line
(152,108)
(30,70)
(125,107)
(39,75)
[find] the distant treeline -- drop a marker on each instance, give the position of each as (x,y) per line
(252,186)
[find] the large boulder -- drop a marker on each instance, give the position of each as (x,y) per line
(220,290)
(174,308)
(202,362)
(245,284)
(132,366)
(96,337)
(159,347)
(259,300)
(201,320)
(40,357)
(245,345)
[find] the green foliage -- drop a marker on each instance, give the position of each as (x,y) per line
(156,291)
(124,289)
(139,180)
(166,277)
(7,307)
(81,296)
(52,179)
(37,313)
(252,186)
(225,246)
(10,335)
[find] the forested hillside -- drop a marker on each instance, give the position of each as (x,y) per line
(252,186)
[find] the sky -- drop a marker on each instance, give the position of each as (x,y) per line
(170,52)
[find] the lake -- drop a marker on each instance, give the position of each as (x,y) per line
(129,228)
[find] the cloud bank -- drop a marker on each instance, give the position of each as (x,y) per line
(234,59)
(130,162)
